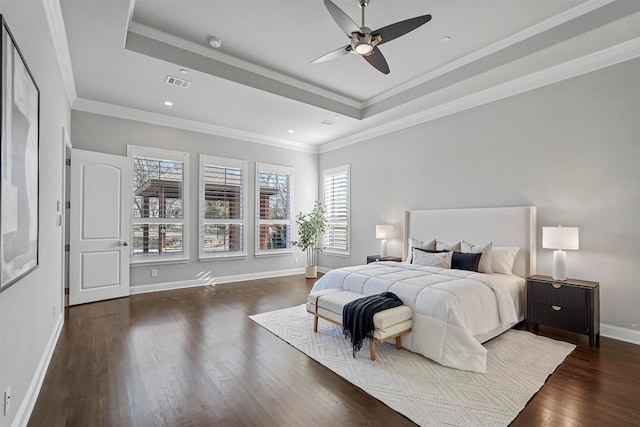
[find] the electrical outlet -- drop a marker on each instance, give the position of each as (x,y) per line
(154,272)
(7,400)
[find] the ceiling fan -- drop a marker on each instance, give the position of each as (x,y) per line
(364,41)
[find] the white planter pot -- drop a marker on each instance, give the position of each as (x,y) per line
(311,272)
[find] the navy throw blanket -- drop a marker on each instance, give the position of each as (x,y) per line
(357,317)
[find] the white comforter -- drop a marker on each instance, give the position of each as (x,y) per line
(453,310)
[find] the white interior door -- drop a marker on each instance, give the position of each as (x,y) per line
(100,226)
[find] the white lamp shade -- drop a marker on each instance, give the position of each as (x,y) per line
(384,231)
(560,238)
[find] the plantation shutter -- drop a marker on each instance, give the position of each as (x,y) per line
(222,207)
(336,200)
(273,202)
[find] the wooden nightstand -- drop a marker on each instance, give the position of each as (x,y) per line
(374,258)
(572,305)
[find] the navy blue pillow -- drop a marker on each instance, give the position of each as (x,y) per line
(465,261)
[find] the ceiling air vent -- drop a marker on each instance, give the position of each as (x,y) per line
(174,81)
(327,122)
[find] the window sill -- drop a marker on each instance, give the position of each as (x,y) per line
(265,255)
(338,254)
(158,261)
(222,257)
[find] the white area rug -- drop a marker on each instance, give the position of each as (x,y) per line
(429,394)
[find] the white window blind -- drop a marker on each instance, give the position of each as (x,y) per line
(222,207)
(160,206)
(336,199)
(273,205)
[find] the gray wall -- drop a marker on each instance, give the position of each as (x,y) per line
(31,310)
(111,135)
(572,149)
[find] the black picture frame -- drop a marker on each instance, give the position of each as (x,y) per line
(19,164)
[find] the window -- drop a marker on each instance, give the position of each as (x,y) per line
(273,203)
(336,199)
(222,207)
(160,204)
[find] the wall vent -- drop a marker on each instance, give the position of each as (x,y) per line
(327,122)
(175,81)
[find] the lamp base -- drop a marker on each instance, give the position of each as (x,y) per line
(559,265)
(383,248)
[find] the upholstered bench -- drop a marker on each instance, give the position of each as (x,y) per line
(390,323)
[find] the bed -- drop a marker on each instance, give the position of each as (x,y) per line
(454,310)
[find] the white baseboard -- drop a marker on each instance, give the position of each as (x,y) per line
(206,281)
(29,402)
(622,334)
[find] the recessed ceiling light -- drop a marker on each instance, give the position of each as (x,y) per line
(184,71)
(446,38)
(168,103)
(291,131)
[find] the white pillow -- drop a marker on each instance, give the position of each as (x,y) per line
(442,246)
(432,259)
(485,264)
(503,258)
(415,243)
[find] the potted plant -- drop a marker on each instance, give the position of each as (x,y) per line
(310,229)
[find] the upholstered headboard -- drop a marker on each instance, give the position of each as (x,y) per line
(508,226)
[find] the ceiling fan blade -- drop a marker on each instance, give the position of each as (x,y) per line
(398,29)
(376,58)
(333,54)
(341,18)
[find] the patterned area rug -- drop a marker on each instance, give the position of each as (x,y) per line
(429,394)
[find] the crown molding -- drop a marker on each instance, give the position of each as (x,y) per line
(111,110)
(58,32)
(573,68)
(567,70)
(527,33)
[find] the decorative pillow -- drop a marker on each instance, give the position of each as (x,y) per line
(462,261)
(415,243)
(485,260)
(503,258)
(447,246)
(432,259)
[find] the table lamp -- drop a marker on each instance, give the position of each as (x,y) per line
(384,232)
(560,238)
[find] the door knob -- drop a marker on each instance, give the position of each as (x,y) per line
(123,243)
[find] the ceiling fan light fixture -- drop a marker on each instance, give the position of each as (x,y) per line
(363,43)
(363,48)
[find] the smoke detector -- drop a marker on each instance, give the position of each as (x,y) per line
(214,42)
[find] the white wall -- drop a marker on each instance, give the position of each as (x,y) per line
(31,310)
(111,135)
(572,149)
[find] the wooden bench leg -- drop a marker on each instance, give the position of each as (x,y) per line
(398,343)
(372,350)
(315,323)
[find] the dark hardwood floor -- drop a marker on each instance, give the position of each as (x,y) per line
(192,357)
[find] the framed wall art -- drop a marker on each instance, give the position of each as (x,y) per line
(19,140)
